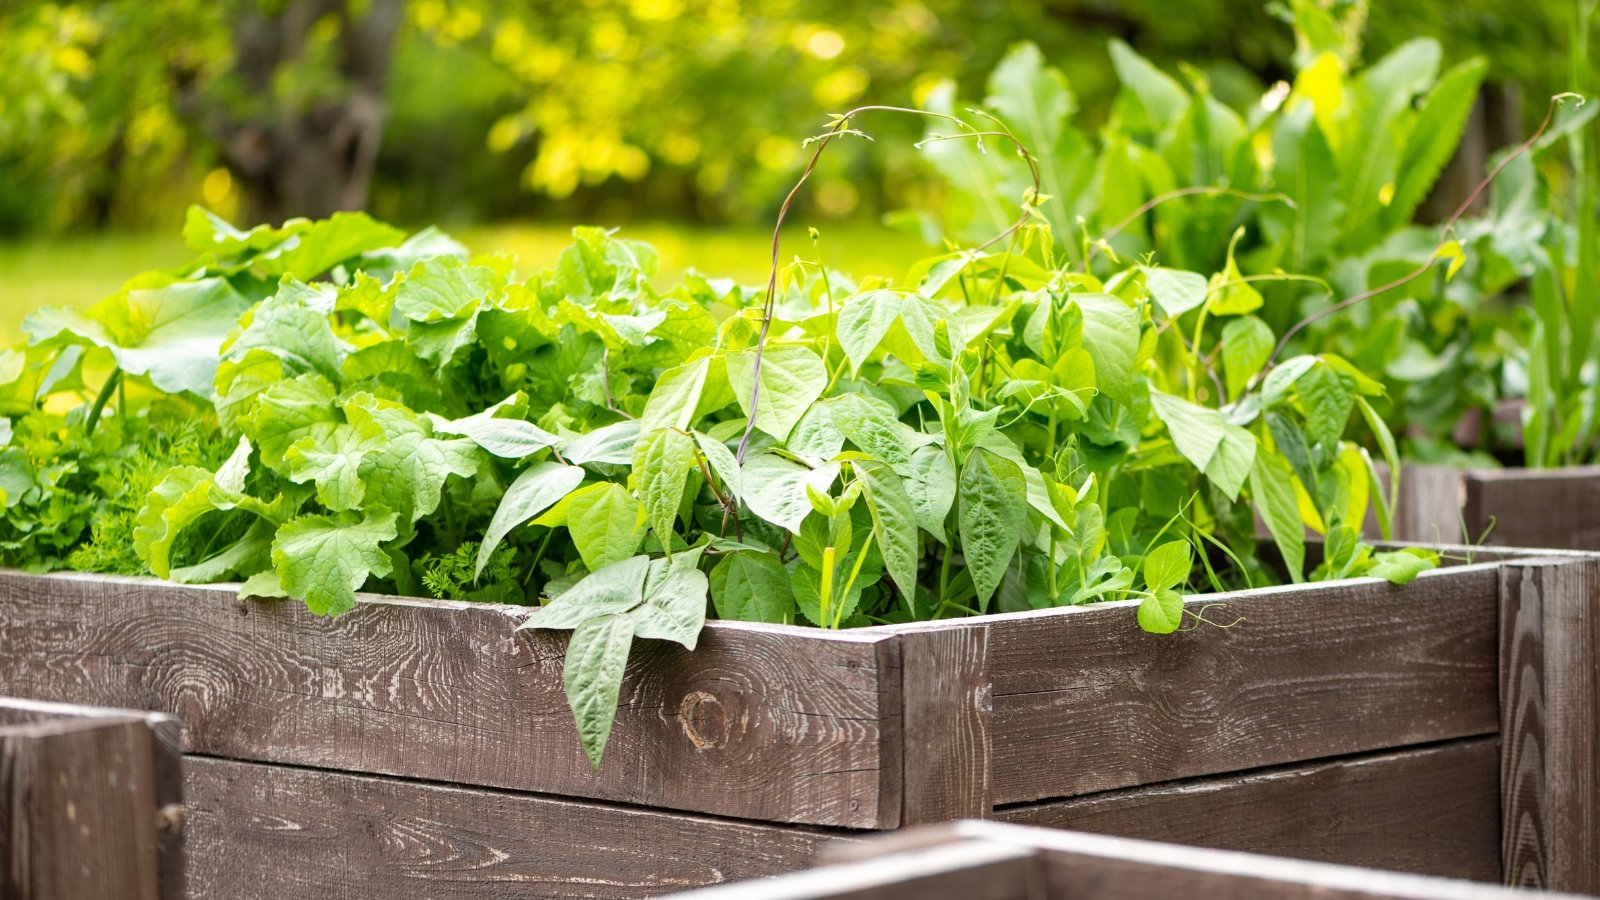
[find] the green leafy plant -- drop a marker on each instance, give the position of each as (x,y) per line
(1304,196)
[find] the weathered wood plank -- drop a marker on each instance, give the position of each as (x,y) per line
(1556,508)
(780,724)
(946,703)
(1431,507)
(166,754)
(266,831)
(78,810)
(1550,728)
(1086,702)
(1546,508)
(1431,810)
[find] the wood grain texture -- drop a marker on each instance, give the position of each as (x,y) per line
(760,722)
(1086,702)
(1431,810)
(166,756)
(947,704)
(1545,508)
(273,832)
(1432,499)
(78,810)
(1550,712)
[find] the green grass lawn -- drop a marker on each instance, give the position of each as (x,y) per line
(78,270)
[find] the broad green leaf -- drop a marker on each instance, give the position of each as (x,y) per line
(505,437)
(930,483)
(752,587)
(436,291)
(1111,335)
(775,488)
(606,525)
(597,657)
(721,461)
(1231,464)
(286,327)
(1230,294)
(287,412)
(1246,345)
(1160,97)
(1282,377)
(408,474)
(534,491)
(207,232)
(1272,489)
(324,560)
(676,396)
(1328,397)
(181,497)
(331,456)
(612,590)
(792,378)
(674,607)
(816,438)
(1035,101)
(608,445)
(249,556)
(662,461)
(894,523)
(1433,138)
(1175,290)
(872,426)
(864,321)
(1375,133)
(1161,612)
(1168,566)
(168,330)
(1196,431)
(1306,231)
(316,247)
(1402,566)
(992,498)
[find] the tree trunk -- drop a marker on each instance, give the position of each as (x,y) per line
(302,158)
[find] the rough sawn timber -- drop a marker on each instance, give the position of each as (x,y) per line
(89,804)
(768,723)
(267,831)
(1548,508)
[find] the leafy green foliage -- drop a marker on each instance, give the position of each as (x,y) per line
(1015,433)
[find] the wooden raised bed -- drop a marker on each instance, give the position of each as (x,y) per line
(422,747)
(974,860)
(90,803)
(1557,508)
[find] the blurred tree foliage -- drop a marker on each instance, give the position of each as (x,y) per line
(118,112)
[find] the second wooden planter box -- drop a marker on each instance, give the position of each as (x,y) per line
(1557,508)
(422,747)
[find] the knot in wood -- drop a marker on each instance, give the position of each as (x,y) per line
(704,719)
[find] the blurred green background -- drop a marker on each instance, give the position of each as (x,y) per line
(505,122)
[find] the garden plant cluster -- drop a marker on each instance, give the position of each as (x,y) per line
(1206,323)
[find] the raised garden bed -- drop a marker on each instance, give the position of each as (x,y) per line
(90,804)
(1557,508)
(1445,727)
(988,861)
